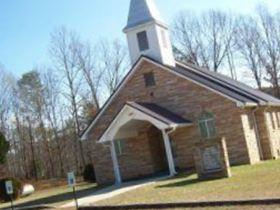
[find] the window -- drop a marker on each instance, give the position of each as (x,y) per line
(149,79)
(143,42)
(207,125)
(119,147)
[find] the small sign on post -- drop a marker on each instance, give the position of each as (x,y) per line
(9,187)
(72,183)
(71,179)
(10,191)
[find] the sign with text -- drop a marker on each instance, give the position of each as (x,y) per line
(71,179)
(211,159)
(9,187)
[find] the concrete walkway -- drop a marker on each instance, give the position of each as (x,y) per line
(112,191)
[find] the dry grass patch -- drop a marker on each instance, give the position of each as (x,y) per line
(55,196)
(248,182)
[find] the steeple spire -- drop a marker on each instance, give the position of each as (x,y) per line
(147,34)
(141,12)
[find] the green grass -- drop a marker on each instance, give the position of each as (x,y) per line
(270,207)
(54,197)
(248,182)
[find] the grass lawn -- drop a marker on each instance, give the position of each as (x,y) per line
(232,208)
(54,196)
(248,182)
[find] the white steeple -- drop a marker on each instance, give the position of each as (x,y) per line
(147,34)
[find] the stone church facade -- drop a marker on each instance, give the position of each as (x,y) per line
(162,108)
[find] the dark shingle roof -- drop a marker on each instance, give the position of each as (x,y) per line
(159,113)
(225,85)
(220,83)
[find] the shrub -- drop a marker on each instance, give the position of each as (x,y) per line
(17,187)
(89,174)
(4,148)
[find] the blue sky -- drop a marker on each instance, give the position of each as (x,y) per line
(25,25)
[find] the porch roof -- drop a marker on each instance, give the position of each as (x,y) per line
(160,117)
(159,113)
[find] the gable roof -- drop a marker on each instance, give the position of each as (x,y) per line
(141,12)
(236,91)
(156,115)
(226,85)
(159,113)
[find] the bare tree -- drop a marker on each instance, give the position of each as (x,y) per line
(204,40)
(32,96)
(6,81)
(270,46)
(186,33)
(66,60)
(87,62)
(113,58)
(22,163)
(249,45)
(52,82)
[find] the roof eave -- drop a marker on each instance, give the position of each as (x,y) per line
(129,28)
(181,125)
(259,104)
(273,104)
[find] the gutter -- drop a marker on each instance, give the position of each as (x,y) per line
(174,128)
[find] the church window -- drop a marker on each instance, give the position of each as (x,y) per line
(119,146)
(207,125)
(149,79)
(143,42)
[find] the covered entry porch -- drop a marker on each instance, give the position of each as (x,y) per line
(139,140)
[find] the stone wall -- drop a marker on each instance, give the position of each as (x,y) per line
(269,128)
(272,119)
(263,134)
(157,149)
(143,155)
(249,127)
(184,98)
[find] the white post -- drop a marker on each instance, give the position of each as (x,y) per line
(169,155)
(117,173)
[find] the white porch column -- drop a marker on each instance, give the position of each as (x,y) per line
(169,155)
(118,179)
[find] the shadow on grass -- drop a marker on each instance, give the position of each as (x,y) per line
(185,179)
(58,198)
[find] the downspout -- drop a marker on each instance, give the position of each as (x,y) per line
(257,131)
(173,129)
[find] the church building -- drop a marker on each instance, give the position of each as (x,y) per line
(163,107)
